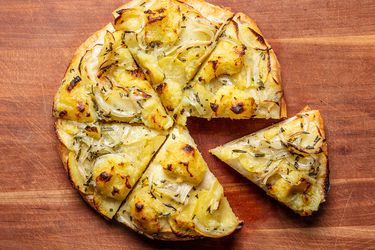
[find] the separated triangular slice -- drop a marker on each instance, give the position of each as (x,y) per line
(170,40)
(239,80)
(178,198)
(104,83)
(288,160)
(105,160)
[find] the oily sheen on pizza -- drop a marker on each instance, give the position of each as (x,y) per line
(123,103)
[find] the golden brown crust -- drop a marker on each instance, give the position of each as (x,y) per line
(89,43)
(164,236)
(320,123)
(249,21)
(88,198)
(283,108)
(64,156)
(128,5)
(212,12)
(275,65)
(276,75)
(63,151)
(173,237)
(326,184)
(321,130)
(80,52)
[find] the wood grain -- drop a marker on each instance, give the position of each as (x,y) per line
(327,52)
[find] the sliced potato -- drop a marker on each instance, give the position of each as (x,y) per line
(231,101)
(131,20)
(182,162)
(112,176)
(226,59)
(163,24)
(221,222)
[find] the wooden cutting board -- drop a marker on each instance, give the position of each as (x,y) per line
(327,52)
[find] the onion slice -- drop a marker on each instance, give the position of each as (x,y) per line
(110,109)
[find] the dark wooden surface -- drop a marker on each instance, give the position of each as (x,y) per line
(327,52)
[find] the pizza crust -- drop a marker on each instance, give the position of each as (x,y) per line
(74,64)
(275,65)
(88,44)
(165,236)
(128,5)
(212,12)
(64,156)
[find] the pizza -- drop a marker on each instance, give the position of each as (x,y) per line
(178,197)
(170,40)
(240,79)
(105,160)
(288,160)
(203,61)
(123,104)
(103,83)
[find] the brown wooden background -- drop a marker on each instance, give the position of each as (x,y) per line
(327,52)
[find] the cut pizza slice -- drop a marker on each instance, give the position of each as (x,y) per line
(239,80)
(170,40)
(178,198)
(105,160)
(288,160)
(103,83)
